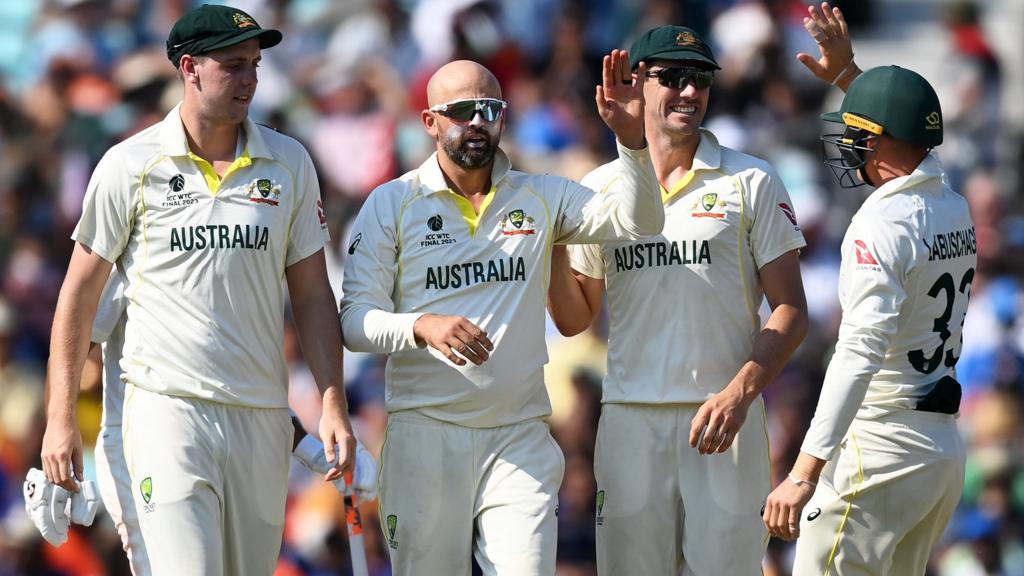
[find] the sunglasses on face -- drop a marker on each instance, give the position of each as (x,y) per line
(465,110)
(678,78)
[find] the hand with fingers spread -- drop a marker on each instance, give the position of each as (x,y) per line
(718,420)
(620,98)
(62,452)
(828,28)
(455,337)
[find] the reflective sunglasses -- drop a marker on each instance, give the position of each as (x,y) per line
(465,110)
(678,77)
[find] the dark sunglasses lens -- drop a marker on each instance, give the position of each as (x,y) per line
(465,111)
(678,78)
(461,111)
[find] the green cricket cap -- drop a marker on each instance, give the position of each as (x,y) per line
(671,43)
(894,101)
(212,27)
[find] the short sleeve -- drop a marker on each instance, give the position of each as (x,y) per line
(108,209)
(774,229)
(309,222)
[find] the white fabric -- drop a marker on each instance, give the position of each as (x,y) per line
(664,508)
(448,491)
(115,486)
(691,293)
(209,481)
(108,329)
(205,268)
(908,259)
(310,453)
(884,501)
(418,247)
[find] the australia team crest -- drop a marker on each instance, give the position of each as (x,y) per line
(517,223)
(264,191)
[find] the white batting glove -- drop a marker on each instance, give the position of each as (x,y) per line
(84,503)
(310,452)
(47,505)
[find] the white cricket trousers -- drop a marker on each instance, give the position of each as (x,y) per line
(209,482)
(116,492)
(884,501)
(449,491)
(663,507)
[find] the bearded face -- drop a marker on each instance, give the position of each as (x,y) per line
(472,145)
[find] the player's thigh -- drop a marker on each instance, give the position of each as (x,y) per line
(723,532)
(521,471)
(638,509)
(175,482)
(427,483)
(255,487)
(116,491)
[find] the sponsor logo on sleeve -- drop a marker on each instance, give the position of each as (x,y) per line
(790,213)
(865,259)
(355,243)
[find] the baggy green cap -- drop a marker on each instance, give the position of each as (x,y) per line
(894,101)
(212,27)
(671,43)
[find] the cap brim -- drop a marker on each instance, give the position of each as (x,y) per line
(268,38)
(688,55)
(836,117)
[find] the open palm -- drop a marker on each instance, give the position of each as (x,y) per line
(620,98)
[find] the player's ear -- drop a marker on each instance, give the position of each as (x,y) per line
(430,123)
(187,68)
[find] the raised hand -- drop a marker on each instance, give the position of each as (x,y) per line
(828,28)
(620,98)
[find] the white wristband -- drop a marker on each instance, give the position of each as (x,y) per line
(800,482)
(843,73)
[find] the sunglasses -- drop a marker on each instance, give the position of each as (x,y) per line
(678,78)
(465,110)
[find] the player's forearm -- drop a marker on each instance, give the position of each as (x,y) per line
(369,329)
(69,347)
(842,393)
(320,338)
(567,303)
(779,338)
(807,467)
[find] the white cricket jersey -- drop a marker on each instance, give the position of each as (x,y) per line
(418,247)
(205,258)
(683,305)
(108,330)
(908,262)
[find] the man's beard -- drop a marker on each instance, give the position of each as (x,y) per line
(464,156)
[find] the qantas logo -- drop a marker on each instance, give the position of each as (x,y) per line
(788,211)
(864,255)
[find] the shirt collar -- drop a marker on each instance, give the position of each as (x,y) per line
(174,143)
(928,171)
(432,179)
(709,152)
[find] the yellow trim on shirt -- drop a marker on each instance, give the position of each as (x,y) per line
(469,213)
(677,188)
(849,506)
(213,180)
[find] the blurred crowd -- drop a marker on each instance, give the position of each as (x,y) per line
(349,82)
